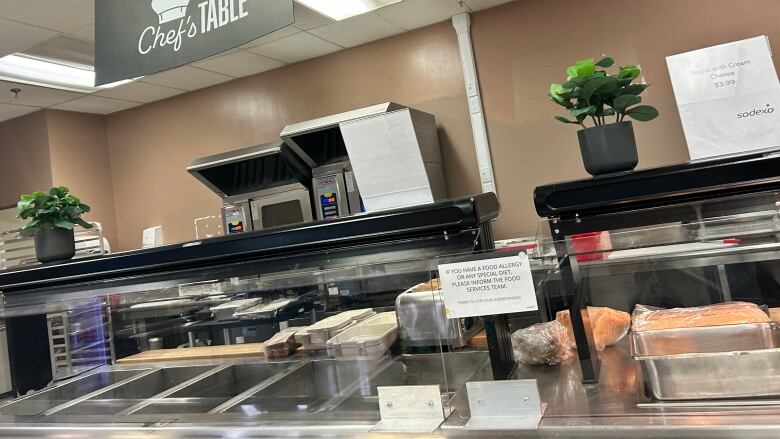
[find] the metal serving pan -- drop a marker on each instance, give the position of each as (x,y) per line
(718,362)
(721,375)
(710,339)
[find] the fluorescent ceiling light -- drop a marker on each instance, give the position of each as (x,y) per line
(341,9)
(35,71)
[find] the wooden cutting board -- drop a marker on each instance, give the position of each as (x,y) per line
(247,350)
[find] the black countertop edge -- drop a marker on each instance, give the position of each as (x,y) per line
(675,184)
(457,213)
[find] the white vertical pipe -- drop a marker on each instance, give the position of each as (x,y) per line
(462,25)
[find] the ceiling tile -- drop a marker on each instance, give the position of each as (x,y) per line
(86,33)
(186,78)
(34,96)
(69,50)
(139,92)
(15,37)
(96,104)
(357,30)
(61,15)
(8,111)
(297,47)
(239,64)
(412,14)
(281,33)
(306,18)
(477,5)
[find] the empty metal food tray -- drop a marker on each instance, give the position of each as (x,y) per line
(212,390)
(40,402)
(731,361)
(115,399)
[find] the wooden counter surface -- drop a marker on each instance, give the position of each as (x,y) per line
(246,350)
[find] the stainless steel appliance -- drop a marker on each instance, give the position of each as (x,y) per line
(414,311)
(321,144)
(335,191)
(261,186)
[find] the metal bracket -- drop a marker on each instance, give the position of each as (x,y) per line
(504,405)
(409,409)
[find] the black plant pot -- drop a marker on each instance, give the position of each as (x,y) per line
(54,244)
(608,149)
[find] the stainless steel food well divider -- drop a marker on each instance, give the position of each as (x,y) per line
(314,387)
(257,388)
(115,398)
(47,399)
(165,393)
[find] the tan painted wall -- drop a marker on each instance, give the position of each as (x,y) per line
(78,148)
(151,145)
(24,157)
(522,47)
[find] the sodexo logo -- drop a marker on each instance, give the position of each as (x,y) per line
(756,112)
(213,14)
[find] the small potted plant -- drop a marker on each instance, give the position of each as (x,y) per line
(52,216)
(592,94)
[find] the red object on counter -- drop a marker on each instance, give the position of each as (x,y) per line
(586,246)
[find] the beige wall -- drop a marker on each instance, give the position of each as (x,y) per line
(151,145)
(59,148)
(24,154)
(522,47)
(78,148)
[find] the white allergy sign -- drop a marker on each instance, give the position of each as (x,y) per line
(488,287)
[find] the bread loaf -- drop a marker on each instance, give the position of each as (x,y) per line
(608,325)
(647,318)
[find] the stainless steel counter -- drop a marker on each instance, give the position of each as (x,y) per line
(326,399)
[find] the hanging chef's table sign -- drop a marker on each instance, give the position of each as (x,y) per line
(488,287)
(139,37)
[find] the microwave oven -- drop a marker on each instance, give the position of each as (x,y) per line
(279,206)
(261,186)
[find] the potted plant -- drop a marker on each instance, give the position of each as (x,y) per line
(592,94)
(52,216)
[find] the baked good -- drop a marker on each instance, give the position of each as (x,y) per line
(647,318)
(542,343)
(608,325)
(433,285)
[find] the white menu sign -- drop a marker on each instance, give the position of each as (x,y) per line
(727,96)
(487,287)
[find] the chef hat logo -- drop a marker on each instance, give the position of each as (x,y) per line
(168,10)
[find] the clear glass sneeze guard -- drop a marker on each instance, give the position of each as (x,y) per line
(723,251)
(114,335)
(179,352)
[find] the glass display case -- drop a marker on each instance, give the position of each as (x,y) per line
(289,328)
(357,328)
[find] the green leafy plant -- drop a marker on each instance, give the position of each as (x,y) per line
(590,92)
(57,208)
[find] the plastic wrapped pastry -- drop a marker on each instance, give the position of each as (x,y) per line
(283,343)
(608,325)
(646,318)
(543,343)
